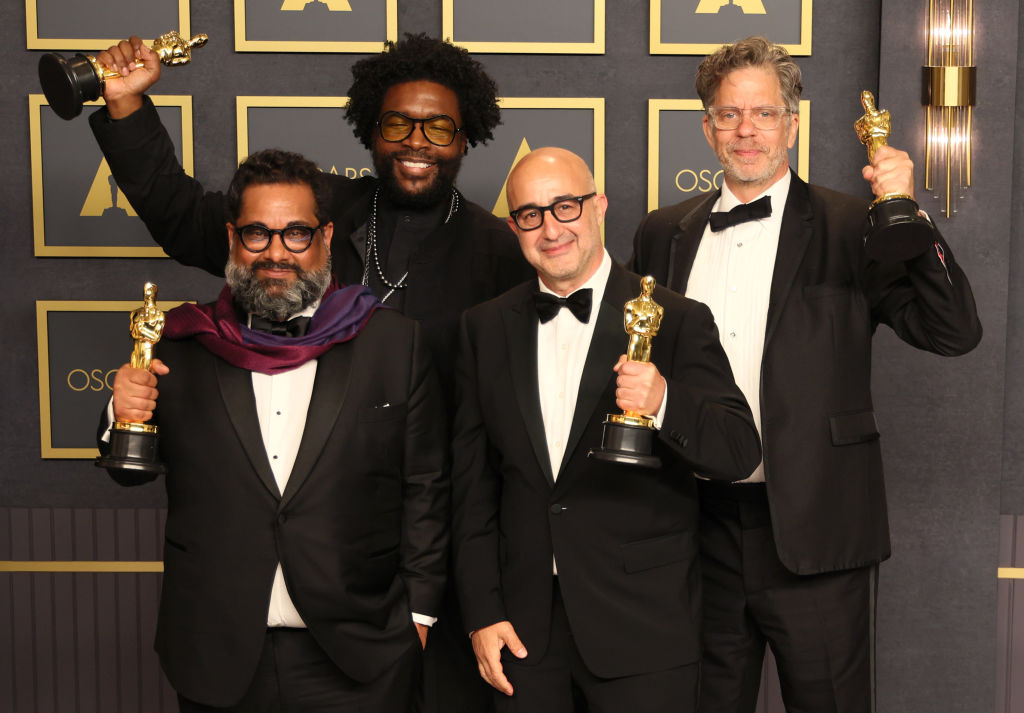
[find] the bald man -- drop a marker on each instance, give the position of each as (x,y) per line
(577,577)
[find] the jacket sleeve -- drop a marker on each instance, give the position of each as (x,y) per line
(425,489)
(927,301)
(476,491)
(185,220)
(707,420)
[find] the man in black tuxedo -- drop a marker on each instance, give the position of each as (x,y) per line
(408,233)
(577,577)
(307,494)
(790,555)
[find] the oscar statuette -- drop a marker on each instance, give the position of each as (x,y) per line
(896,231)
(133,446)
(628,438)
(68,83)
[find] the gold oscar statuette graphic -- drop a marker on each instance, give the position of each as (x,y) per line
(896,231)
(67,84)
(628,438)
(133,446)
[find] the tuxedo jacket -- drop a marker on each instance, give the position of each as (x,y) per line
(823,465)
(360,529)
(624,537)
(472,258)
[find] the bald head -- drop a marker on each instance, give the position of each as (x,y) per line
(552,192)
(548,162)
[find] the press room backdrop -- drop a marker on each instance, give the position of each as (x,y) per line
(586,74)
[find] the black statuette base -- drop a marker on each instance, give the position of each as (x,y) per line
(68,83)
(896,231)
(627,445)
(131,450)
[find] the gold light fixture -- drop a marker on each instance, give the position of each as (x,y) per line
(948,94)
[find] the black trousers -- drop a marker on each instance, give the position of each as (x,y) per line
(561,683)
(820,627)
(295,675)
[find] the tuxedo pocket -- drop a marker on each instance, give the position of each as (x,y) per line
(384,411)
(657,551)
(853,427)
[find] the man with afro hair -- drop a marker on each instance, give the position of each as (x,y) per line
(407,233)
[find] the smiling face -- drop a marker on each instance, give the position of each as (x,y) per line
(275,283)
(753,158)
(414,172)
(565,255)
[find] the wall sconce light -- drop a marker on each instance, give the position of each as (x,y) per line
(948,94)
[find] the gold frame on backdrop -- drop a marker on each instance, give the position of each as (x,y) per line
(699,48)
(43,308)
(595,104)
(35,107)
(244,103)
(595,47)
(656,106)
(242,44)
(34,42)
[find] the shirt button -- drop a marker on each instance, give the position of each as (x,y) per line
(565,347)
(275,457)
(278,413)
(732,289)
(556,509)
(739,245)
(732,334)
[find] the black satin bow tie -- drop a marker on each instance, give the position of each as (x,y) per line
(578,303)
(294,327)
(761,208)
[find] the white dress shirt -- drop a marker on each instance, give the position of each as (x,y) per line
(732,275)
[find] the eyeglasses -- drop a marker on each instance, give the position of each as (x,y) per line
(295,238)
(566,210)
(765,118)
(439,130)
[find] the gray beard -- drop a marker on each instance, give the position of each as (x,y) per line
(255,296)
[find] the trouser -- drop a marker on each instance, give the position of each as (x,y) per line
(295,675)
(820,627)
(561,683)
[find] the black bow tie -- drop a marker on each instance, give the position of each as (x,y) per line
(761,208)
(578,303)
(294,327)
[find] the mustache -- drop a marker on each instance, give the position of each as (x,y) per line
(271,265)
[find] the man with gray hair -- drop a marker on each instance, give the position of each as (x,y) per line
(790,554)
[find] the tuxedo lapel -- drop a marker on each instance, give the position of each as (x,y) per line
(683,248)
(236,390)
(607,343)
(794,237)
(520,324)
(333,371)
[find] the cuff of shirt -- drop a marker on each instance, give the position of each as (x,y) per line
(110,420)
(424,619)
(659,418)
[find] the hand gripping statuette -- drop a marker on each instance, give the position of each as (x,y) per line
(67,84)
(896,231)
(133,446)
(628,438)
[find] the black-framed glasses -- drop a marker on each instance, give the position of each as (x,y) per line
(256,237)
(764,118)
(439,130)
(565,210)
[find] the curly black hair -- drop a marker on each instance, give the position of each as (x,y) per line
(419,57)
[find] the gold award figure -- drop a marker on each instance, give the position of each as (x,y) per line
(629,437)
(67,84)
(147,325)
(133,445)
(896,231)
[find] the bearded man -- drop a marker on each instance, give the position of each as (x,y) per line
(307,499)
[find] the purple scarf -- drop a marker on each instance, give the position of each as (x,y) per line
(341,316)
